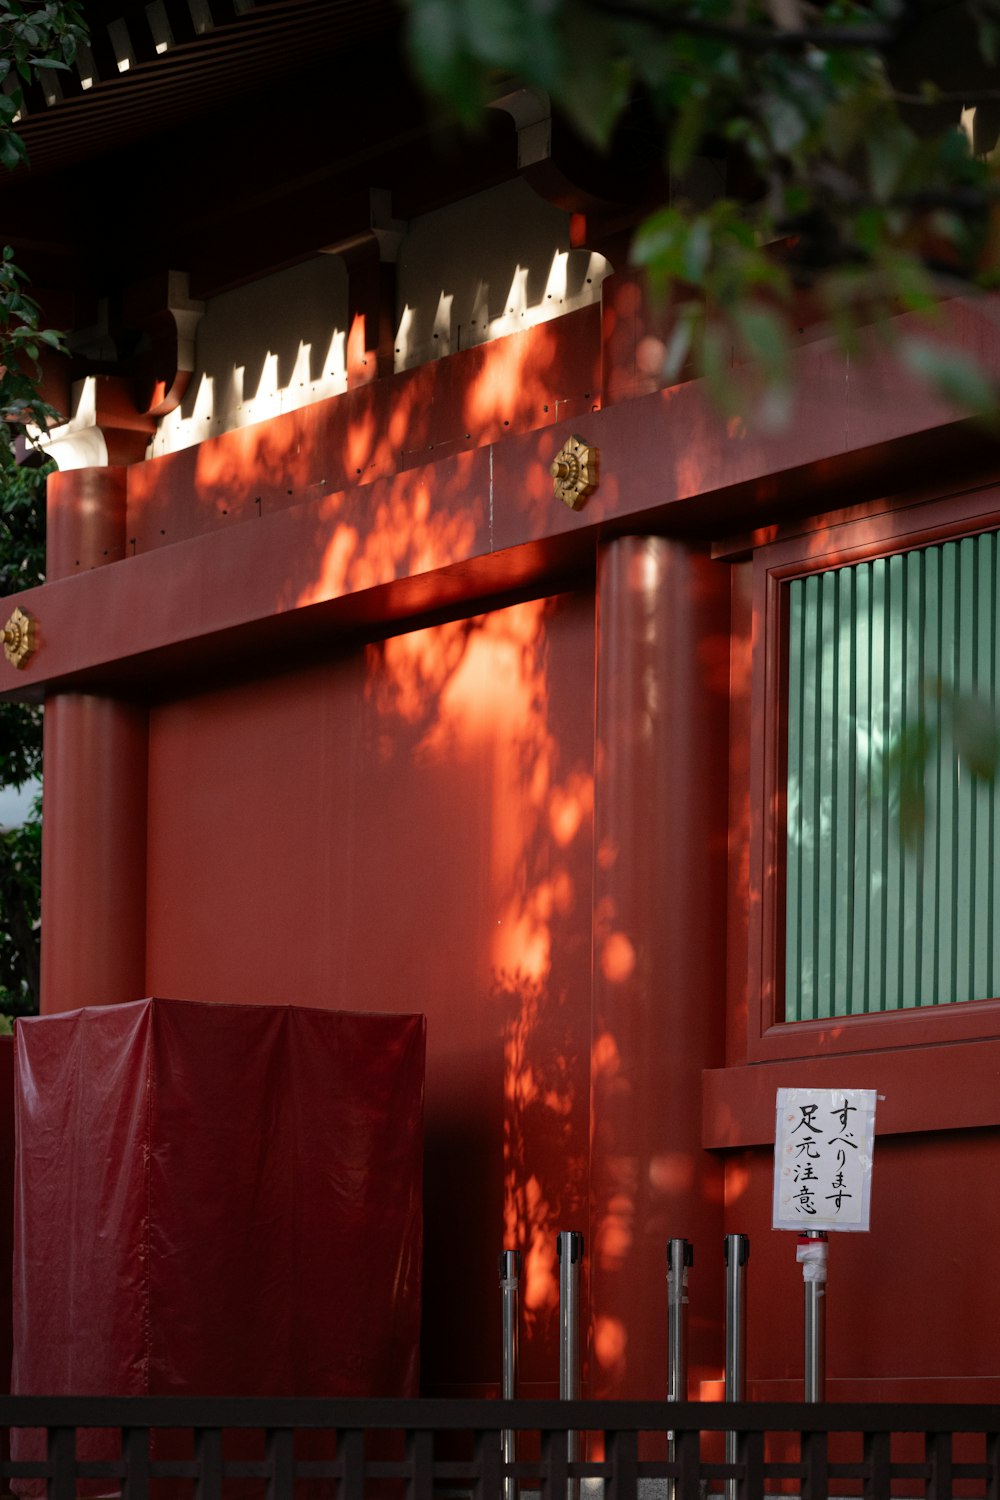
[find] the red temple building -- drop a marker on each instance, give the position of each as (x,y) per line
(351,704)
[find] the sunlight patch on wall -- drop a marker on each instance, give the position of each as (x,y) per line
(476,692)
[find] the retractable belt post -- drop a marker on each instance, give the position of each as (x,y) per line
(736,1249)
(510,1271)
(569,1245)
(811,1253)
(680,1258)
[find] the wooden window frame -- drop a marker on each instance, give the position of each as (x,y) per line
(843,542)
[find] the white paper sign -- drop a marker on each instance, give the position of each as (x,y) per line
(823,1145)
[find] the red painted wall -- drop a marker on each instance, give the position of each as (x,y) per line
(6,1205)
(911,1305)
(407,826)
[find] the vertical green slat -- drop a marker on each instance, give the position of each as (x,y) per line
(880,808)
(807,854)
(861,652)
(982,956)
(820,763)
(930,845)
(892,855)
(844,795)
(946,786)
(826,710)
(793,875)
(965,824)
(909,907)
(994,982)
(922,708)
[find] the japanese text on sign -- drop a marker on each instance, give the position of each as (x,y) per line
(823,1142)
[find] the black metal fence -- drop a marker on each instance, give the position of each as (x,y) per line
(65,1447)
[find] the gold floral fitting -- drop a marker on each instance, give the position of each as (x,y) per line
(574,472)
(20,638)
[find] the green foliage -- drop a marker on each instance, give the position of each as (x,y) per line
(33,39)
(21,338)
(858,196)
(955,375)
(966,720)
(22,562)
(22,566)
(855,192)
(20,904)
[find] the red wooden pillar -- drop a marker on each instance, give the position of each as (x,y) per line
(93,852)
(94,793)
(659,959)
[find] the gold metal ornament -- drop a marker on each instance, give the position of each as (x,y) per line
(574,472)
(20,638)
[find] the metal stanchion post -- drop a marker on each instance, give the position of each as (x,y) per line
(680,1256)
(569,1245)
(737,1252)
(812,1255)
(510,1270)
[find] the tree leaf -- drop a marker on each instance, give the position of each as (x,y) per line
(975,732)
(784,120)
(681,339)
(954,375)
(12,152)
(888,146)
(765,335)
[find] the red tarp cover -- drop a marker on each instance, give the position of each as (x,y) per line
(217,1200)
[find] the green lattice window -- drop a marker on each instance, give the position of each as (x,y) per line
(871,925)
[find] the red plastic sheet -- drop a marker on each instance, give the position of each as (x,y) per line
(218,1200)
